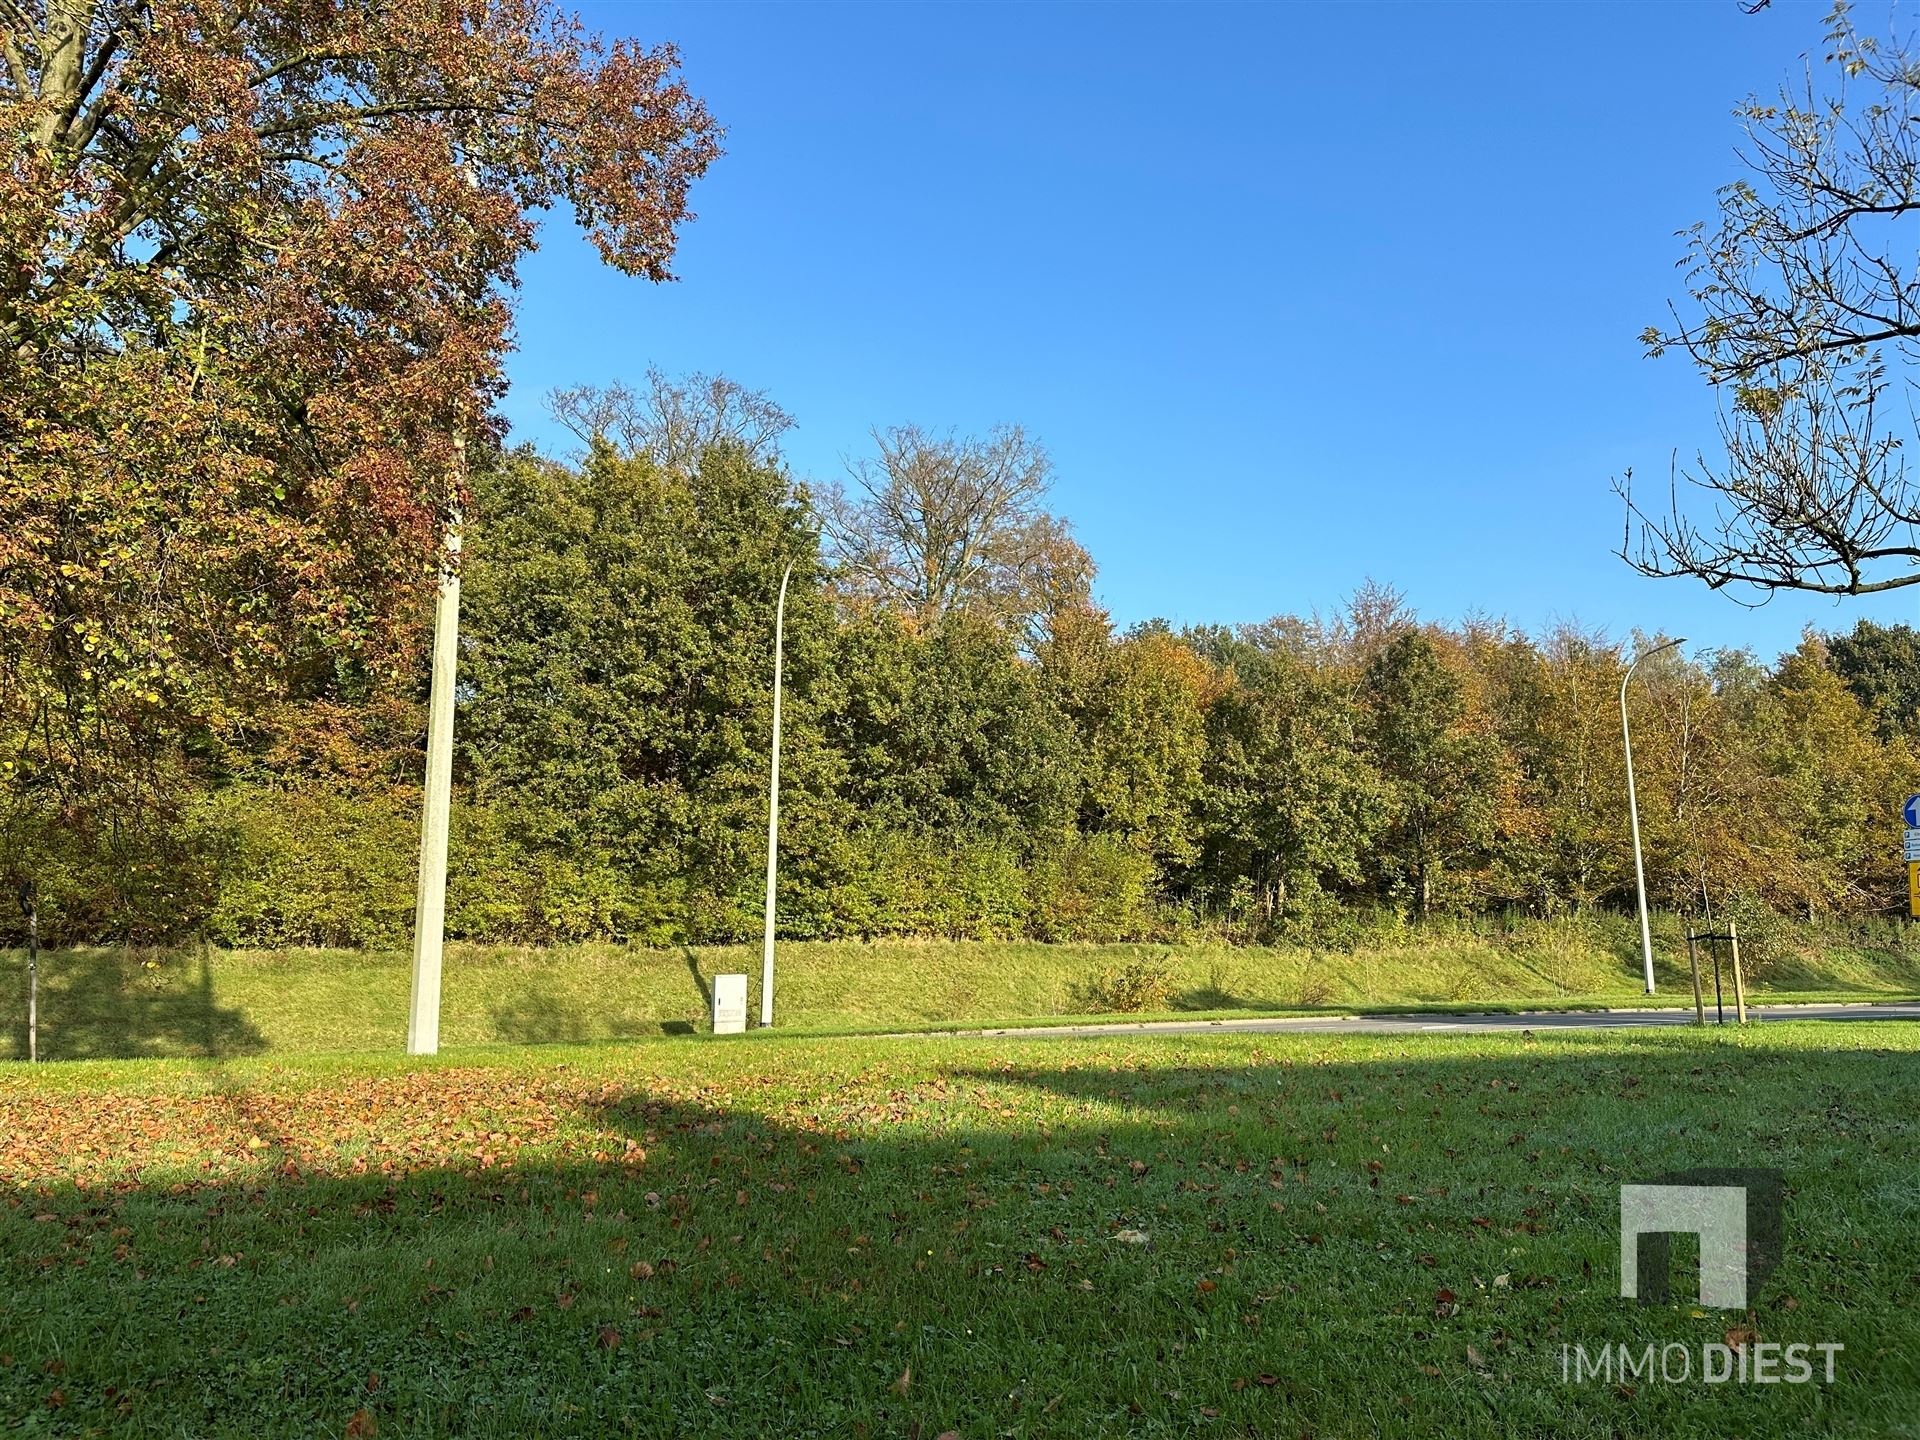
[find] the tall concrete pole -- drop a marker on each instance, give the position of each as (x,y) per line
(1633,813)
(773,807)
(430,905)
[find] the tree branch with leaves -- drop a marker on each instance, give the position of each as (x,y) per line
(1804,315)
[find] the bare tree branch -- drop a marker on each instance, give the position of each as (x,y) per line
(939,524)
(1808,316)
(675,421)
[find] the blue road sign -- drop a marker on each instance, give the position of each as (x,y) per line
(1912,810)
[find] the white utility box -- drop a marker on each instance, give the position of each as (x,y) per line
(729,1004)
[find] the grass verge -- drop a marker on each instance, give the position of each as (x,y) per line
(1212,1235)
(102,1003)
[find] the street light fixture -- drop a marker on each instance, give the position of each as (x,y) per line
(773,806)
(1633,812)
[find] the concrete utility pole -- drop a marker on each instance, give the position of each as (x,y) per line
(30,907)
(773,806)
(430,905)
(1633,812)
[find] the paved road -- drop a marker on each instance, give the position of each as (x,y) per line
(1467,1024)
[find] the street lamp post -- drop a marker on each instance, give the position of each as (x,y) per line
(773,807)
(1633,813)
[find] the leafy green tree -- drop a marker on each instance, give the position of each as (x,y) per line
(1136,705)
(950,732)
(616,687)
(1440,765)
(1881,665)
(1290,802)
(1831,787)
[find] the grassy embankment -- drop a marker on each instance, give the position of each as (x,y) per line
(1222,1235)
(99,1003)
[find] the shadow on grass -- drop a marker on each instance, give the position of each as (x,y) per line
(113,1005)
(940,1248)
(1212,997)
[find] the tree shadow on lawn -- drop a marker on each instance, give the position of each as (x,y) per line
(537,1017)
(109,1004)
(938,1243)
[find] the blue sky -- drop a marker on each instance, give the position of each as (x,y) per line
(1295,295)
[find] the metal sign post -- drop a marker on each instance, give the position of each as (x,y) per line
(1910,852)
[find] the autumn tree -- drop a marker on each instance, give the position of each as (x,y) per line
(1804,315)
(1137,707)
(258,262)
(935,525)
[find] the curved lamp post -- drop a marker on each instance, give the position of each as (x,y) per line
(1633,812)
(773,807)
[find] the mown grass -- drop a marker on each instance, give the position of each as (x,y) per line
(1344,1236)
(101,1003)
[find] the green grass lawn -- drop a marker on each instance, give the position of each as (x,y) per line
(1220,1235)
(101,1003)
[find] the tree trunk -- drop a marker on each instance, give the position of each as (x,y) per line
(63,47)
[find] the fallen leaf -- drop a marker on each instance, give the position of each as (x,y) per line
(901,1385)
(1131,1237)
(609,1338)
(361,1426)
(641,1270)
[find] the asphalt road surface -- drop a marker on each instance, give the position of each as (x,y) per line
(1466,1023)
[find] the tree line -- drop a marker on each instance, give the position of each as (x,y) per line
(972,747)
(259,282)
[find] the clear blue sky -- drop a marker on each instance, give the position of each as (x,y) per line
(1296,295)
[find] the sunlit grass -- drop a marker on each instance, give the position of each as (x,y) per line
(839,1237)
(105,1002)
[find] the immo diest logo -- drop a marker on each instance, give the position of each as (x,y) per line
(1737,1216)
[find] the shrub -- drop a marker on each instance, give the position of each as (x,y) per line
(1095,889)
(1142,983)
(312,866)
